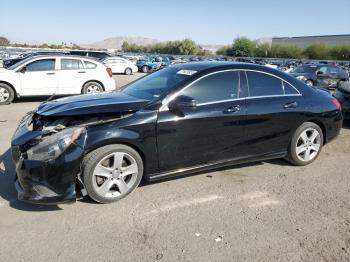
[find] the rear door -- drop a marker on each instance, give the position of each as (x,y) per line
(39,77)
(71,76)
(212,131)
(273,113)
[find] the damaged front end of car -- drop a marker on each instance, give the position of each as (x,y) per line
(48,151)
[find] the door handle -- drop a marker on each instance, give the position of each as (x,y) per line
(82,72)
(232,109)
(290,105)
(51,73)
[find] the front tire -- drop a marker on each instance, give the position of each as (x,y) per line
(306,144)
(92,88)
(145,69)
(111,172)
(6,94)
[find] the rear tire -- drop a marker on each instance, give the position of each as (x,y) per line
(92,87)
(6,94)
(128,71)
(145,69)
(111,172)
(306,144)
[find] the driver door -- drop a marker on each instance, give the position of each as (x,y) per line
(213,130)
(39,77)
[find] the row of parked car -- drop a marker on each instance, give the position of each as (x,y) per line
(78,71)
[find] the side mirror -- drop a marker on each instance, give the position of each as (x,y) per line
(23,70)
(319,73)
(181,102)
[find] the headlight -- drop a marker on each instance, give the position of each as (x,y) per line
(53,146)
(303,78)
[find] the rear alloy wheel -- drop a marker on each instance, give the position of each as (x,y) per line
(128,71)
(92,88)
(6,94)
(145,69)
(306,144)
(309,82)
(112,172)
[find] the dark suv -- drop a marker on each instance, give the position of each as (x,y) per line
(11,61)
(323,75)
(99,55)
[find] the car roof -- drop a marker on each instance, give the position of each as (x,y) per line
(64,56)
(219,65)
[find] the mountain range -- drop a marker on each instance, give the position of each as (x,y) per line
(116,43)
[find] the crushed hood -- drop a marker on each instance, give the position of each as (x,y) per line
(91,104)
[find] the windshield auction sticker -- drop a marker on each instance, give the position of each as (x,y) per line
(186,72)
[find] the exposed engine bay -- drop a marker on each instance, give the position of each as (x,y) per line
(51,124)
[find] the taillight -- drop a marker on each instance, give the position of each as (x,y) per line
(336,102)
(109,71)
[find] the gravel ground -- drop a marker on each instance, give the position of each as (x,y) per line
(263,211)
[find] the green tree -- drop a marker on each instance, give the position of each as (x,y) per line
(4,41)
(243,47)
(317,51)
(341,52)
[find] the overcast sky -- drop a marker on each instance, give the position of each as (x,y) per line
(205,21)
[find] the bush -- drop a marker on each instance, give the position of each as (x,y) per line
(317,51)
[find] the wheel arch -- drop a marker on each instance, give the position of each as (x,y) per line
(11,86)
(323,128)
(125,143)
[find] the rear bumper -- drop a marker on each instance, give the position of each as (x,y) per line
(109,85)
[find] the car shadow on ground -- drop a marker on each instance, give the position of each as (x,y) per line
(8,191)
(346,124)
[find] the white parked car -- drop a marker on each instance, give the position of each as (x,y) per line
(60,75)
(120,65)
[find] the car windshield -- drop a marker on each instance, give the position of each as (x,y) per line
(151,87)
(305,69)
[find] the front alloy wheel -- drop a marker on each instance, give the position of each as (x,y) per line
(111,172)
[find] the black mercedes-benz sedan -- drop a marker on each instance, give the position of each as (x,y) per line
(182,119)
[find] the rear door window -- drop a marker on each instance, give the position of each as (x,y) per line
(71,64)
(261,84)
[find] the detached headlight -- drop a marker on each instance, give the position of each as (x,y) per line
(303,78)
(53,146)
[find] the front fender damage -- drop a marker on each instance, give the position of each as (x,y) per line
(56,180)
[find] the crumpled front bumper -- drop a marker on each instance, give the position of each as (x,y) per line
(46,182)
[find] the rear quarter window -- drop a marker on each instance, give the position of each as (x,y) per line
(289,89)
(90,65)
